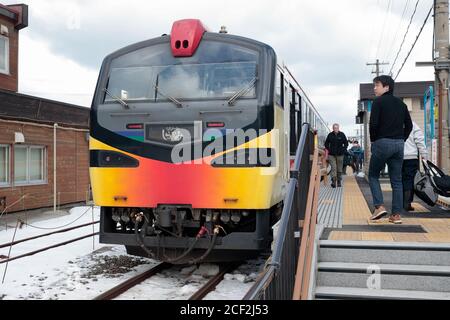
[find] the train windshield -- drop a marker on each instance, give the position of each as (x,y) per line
(217,71)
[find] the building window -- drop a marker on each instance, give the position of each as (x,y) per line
(4,55)
(4,165)
(29,165)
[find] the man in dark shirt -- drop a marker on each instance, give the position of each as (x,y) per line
(390,126)
(336,144)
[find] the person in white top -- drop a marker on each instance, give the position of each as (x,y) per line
(414,146)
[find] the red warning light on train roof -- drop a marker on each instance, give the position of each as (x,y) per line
(186,36)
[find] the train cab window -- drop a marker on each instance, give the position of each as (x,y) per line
(217,71)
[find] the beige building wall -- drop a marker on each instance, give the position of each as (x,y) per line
(416,111)
(417,115)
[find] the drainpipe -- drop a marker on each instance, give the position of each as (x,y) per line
(55,126)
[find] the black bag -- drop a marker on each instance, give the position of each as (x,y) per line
(424,187)
(440,181)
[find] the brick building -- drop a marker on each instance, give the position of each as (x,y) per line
(31,129)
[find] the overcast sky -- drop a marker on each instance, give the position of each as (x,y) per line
(325,43)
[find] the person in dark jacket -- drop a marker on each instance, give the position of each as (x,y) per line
(336,144)
(357,152)
(390,127)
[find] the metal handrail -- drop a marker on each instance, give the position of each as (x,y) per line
(289,200)
(268,281)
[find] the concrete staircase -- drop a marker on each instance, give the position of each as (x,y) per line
(382,270)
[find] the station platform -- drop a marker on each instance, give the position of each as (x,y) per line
(345,215)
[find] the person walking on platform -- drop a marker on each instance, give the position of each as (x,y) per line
(413,146)
(336,144)
(357,152)
(390,127)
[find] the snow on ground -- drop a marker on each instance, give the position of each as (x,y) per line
(181,282)
(238,283)
(78,271)
(64,272)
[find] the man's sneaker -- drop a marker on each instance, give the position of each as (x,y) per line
(379,213)
(339,184)
(395,219)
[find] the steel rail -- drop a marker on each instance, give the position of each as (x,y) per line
(213,282)
(47,234)
(132,282)
(48,248)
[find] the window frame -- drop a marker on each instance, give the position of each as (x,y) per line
(7,166)
(279,88)
(6,70)
(28,181)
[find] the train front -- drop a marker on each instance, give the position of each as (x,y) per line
(184,159)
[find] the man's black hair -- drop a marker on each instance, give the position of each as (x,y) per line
(386,81)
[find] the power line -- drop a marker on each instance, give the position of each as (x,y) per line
(372,37)
(394,40)
(404,38)
(417,38)
(388,11)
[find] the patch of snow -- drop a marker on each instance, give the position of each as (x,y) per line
(207,270)
(84,269)
(67,272)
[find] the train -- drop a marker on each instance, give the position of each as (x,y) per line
(192,137)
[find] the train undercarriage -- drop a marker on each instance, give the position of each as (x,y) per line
(182,235)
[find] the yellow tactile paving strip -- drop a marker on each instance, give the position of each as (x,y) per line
(357,212)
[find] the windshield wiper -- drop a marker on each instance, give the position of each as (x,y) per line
(174,100)
(123,103)
(242,92)
(158,90)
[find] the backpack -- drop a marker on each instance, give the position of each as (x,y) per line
(424,187)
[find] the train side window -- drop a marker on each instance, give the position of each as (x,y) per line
(293,125)
(305,112)
(299,116)
(279,89)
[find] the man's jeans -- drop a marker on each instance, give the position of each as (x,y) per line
(390,152)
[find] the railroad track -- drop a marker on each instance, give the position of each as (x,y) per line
(7,259)
(11,244)
(138,279)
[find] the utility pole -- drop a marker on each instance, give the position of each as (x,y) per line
(442,65)
(377,65)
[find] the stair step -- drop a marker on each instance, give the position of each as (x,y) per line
(384,276)
(385,245)
(358,293)
(436,254)
(385,268)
